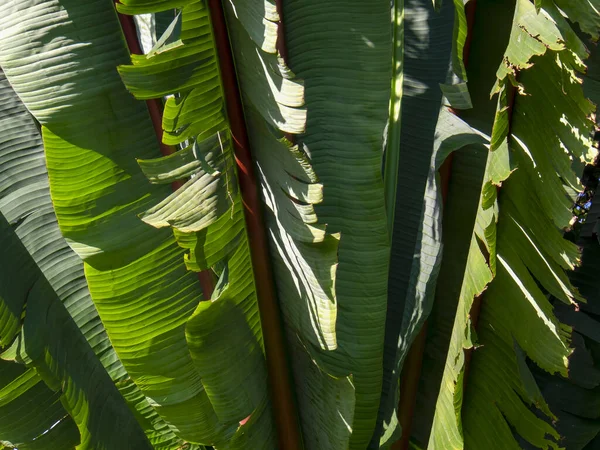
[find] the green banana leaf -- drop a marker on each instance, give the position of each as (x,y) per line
(340,49)
(59,388)
(517,246)
(574,400)
(93,131)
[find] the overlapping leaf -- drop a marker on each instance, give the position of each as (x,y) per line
(93,131)
(205,214)
(341,52)
(525,251)
(49,323)
(305,254)
(423,58)
(574,400)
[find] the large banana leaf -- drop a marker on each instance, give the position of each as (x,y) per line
(574,400)
(517,238)
(305,255)
(430,74)
(340,49)
(50,328)
(93,131)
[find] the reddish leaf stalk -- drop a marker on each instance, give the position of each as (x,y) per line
(411,372)
(470,12)
(282,398)
(409,384)
(206,278)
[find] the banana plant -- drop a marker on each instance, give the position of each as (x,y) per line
(317,268)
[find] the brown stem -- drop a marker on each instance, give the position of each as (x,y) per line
(470,13)
(409,384)
(206,278)
(284,408)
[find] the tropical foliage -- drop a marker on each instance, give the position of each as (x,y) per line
(108,340)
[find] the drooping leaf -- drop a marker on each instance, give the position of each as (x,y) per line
(525,252)
(50,321)
(93,131)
